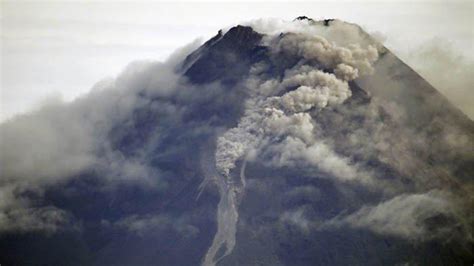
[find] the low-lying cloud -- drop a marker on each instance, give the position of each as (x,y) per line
(405,216)
(60,141)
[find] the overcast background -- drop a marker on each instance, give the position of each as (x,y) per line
(59,49)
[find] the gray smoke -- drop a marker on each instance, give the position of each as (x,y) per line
(268,116)
(279,129)
(288,115)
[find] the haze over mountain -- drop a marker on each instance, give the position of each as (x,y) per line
(274,143)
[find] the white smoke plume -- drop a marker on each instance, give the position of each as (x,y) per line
(343,59)
(342,33)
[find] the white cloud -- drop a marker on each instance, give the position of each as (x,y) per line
(403,216)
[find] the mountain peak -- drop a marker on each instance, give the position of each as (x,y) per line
(304,18)
(325,22)
(238,47)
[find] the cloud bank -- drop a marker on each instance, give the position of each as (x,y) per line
(61,141)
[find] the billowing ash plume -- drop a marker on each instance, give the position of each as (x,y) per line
(269,116)
(278,116)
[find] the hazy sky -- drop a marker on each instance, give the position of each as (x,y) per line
(61,48)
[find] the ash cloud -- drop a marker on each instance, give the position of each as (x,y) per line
(288,115)
(277,122)
(299,127)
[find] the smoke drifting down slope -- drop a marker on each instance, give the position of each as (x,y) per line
(275,132)
(268,116)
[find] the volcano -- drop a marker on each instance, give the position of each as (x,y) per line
(273,143)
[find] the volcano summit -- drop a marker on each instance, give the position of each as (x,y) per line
(273,143)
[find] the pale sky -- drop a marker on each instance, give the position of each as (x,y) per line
(62,48)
